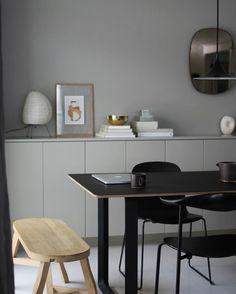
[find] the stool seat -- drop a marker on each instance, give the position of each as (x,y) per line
(46,240)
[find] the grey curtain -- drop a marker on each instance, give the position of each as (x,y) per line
(6,267)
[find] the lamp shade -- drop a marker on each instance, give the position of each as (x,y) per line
(37,109)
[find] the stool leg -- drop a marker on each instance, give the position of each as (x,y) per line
(88,276)
(41,278)
(15,244)
(63,272)
(49,284)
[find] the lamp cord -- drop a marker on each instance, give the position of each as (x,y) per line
(14,130)
(29,130)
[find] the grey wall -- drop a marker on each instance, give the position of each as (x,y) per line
(134,51)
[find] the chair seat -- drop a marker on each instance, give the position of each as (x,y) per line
(174,220)
(210,246)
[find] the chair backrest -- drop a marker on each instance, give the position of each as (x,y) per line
(156,166)
(213,202)
(153,206)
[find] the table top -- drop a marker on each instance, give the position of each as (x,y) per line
(158,184)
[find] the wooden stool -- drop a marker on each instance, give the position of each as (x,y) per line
(46,240)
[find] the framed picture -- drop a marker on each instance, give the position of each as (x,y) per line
(74,110)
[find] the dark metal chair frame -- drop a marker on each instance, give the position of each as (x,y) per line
(152,210)
(213,246)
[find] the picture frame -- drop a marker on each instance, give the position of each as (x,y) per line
(74,110)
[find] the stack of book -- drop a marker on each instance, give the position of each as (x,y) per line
(111,131)
(150,129)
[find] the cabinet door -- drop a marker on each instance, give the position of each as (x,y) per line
(188,155)
(218,150)
(141,151)
(24,179)
(215,151)
(62,197)
(105,157)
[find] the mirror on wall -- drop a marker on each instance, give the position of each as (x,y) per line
(202,57)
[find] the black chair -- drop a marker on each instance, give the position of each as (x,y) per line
(214,246)
(152,210)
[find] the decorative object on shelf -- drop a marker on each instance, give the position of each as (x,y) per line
(115,131)
(117,120)
(74,110)
(148,127)
(146,115)
(37,110)
(142,126)
(227,125)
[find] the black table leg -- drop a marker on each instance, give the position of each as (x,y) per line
(131,250)
(103,244)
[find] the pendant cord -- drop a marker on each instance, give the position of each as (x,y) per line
(217,31)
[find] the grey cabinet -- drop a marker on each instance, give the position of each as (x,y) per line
(24,179)
(105,157)
(62,198)
(38,182)
(215,151)
(218,150)
(142,151)
(187,154)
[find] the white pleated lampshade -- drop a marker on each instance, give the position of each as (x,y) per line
(37,109)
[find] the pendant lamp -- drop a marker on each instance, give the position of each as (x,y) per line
(217,72)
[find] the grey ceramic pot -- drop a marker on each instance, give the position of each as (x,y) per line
(227,171)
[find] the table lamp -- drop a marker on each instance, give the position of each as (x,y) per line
(37,110)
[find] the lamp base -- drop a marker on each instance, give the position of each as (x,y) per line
(30,128)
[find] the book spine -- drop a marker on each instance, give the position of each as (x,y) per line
(156,134)
(141,129)
(145,124)
(110,127)
(121,135)
(115,130)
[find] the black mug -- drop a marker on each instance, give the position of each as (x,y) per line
(138,180)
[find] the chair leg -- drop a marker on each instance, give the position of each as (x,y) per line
(209,278)
(201,274)
(158,267)
(208,259)
(88,276)
(178,266)
(142,256)
(121,256)
(190,230)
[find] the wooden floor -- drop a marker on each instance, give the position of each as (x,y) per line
(223,271)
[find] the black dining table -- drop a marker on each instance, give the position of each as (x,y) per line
(157,184)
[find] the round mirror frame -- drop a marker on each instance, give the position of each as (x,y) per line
(202,57)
